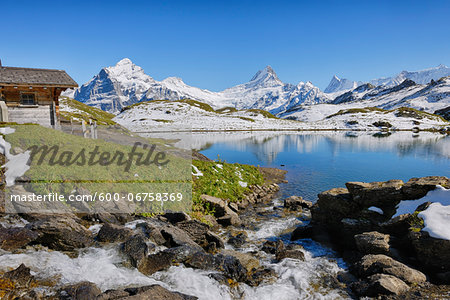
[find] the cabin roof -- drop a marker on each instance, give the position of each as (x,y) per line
(30,76)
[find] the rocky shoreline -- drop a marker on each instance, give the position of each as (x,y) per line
(148,244)
(388,256)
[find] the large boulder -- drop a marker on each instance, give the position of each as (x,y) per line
(61,233)
(200,234)
(373,243)
(216,204)
(380,194)
(382,284)
(80,291)
(135,248)
(249,262)
(417,188)
(21,276)
(297,203)
(225,214)
(281,252)
(166,258)
(175,237)
(175,216)
(230,218)
(379,263)
(16,238)
(111,233)
(334,205)
(433,253)
(155,292)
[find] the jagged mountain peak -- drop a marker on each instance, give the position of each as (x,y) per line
(124,61)
(266,75)
(173,79)
(337,85)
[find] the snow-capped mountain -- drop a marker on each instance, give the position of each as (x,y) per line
(340,84)
(266,91)
(426,97)
(115,87)
(125,84)
(420,77)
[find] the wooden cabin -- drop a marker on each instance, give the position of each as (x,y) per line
(31,95)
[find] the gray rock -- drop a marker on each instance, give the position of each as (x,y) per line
(379,194)
(60,233)
(417,188)
(113,295)
(296,203)
(217,204)
(196,230)
(21,276)
(166,258)
(135,248)
(382,284)
(302,232)
(175,237)
(248,262)
(373,243)
(238,240)
(230,218)
(111,233)
(337,202)
(155,292)
(379,263)
(175,217)
(281,252)
(434,254)
(16,238)
(81,291)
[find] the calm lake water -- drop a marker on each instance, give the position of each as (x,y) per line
(319,161)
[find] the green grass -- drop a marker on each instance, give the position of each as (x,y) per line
(415,222)
(266,114)
(207,108)
(223,182)
(409,112)
(162,121)
(228,109)
(46,178)
(191,102)
(356,111)
(86,112)
(218,182)
(246,119)
(406,112)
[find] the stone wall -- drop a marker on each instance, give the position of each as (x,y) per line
(38,115)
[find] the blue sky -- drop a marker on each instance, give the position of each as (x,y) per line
(217,44)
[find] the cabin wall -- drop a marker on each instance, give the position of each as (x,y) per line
(38,115)
(12,95)
(41,113)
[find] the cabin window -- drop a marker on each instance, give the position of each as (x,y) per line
(27,99)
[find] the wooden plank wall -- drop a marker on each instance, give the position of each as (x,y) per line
(43,96)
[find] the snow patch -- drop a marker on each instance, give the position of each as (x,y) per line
(376,209)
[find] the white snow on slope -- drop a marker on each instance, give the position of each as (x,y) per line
(180,116)
(437,216)
(17,164)
(428,98)
(420,77)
